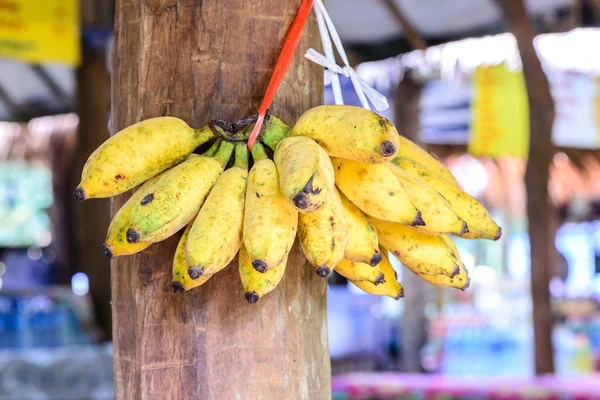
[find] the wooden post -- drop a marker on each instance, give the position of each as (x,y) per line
(541,118)
(198,61)
(413,323)
(92,217)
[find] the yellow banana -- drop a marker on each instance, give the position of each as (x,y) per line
(390,287)
(305,173)
(216,235)
(421,253)
(257,284)
(136,154)
(460,281)
(439,216)
(479,221)
(173,201)
(116,242)
(376,191)
(354,133)
(323,235)
(358,271)
(181,280)
(453,250)
(270,221)
(413,152)
(362,246)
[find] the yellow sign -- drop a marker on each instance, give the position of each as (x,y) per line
(500,113)
(40,31)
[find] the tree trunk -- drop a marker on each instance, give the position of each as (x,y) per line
(413,324)
(198,61)
(92,217)
(541,118)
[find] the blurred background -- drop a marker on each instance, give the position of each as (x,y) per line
(454,80)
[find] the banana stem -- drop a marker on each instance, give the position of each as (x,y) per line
(258,152)
(204,134)
(224,153)
(274,131)
(241,155)
(212,150)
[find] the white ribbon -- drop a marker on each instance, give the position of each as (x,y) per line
(363,90)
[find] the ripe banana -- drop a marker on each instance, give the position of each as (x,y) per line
(181,280)
(216,235)
(136,154)
(421,253)
(479,221)
(173,201)
(452,247)
(305,173)
(257,284)
(390,287)
(376,191)
(270,221)
(362,246)
(358,271)
(413,152)
(116,239)
(439,216)
(349,132)
(459,281)
(323,235)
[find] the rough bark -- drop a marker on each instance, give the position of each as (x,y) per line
(198,61)
(541,118)
(413,323)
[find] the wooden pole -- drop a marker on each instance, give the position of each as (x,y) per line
(413,323)
(541,118)
(92,217)
(198,61)
(412,35)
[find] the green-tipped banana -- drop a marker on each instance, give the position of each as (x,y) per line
(136,154)
(216,235)
(274,131)
(172,202)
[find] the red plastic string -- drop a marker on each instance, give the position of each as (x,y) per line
(283,62)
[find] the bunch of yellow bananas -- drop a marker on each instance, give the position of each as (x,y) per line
(341,178)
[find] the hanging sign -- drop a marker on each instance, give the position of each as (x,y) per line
(40,31)
(500,113)
(575,111)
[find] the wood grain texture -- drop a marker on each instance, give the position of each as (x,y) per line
(200,60)
(541,118)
